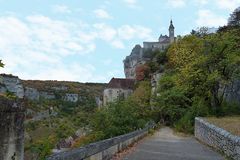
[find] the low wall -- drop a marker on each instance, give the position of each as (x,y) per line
(217,138)
(102,150)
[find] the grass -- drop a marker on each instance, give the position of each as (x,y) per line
(231,124)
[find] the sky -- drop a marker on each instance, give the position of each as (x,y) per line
(87,40)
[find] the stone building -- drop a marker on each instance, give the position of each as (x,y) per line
(137,56)
(117,89)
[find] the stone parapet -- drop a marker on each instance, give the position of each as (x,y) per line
(102,150)
(217,138)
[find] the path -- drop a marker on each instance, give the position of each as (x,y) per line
(164,145)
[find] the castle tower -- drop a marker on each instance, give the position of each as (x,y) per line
(171,32)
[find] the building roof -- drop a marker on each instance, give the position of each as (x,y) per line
(121,83)
(171,25)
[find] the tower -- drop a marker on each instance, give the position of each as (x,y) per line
(171,32)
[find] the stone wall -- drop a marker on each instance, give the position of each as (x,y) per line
(217,138)
(11,130)
(114,94)
(103,150)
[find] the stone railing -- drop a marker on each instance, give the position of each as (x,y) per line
(102,150)
(217,138)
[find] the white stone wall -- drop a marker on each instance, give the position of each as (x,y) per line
(155,45)
(113,94)
(217,138)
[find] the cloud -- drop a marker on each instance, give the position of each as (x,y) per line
(61,9)
(132,4)
(36,42)
(228,4)
(116,36)
(176,3)
(209,19)
(39,47)
(201,2)
(128,32)
(118,44)
(102,14)
(105,32)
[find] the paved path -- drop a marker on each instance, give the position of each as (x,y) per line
(164,145)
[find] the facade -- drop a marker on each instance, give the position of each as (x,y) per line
(137,56)
(117,89)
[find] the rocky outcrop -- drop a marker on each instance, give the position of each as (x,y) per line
(31,93)
(11,129)
(233,93)
(71,97)
(10,83)
(154,82)
(47,95)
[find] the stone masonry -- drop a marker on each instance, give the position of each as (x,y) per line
(217,138)
(102,150)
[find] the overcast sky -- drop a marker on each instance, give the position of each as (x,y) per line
(87,40)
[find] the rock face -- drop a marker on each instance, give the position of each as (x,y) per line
(71,97)
(233,92)
(12,84)
(31,93)
(11,130)
(131,62)
(138,56)
(154,82)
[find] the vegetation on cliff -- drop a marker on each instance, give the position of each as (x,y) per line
(199,73)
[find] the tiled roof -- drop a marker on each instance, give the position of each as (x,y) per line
(121,83)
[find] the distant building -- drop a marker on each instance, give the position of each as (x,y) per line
(117,89)
(137,56)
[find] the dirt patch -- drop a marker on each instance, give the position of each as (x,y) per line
(231,124)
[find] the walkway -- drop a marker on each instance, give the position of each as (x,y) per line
(164,145)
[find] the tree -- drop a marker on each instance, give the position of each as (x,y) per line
(200,72)
(234,19)
(142,72)
(1,64)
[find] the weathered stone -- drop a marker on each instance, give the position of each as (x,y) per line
(102,149)
(12,84)
(31,93)
(137,56)
(218,138)
(71,97)
(11,129)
